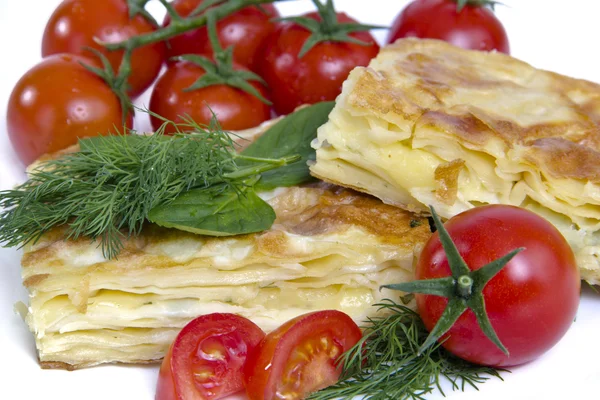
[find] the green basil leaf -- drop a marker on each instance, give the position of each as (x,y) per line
(216,211)
(292,135)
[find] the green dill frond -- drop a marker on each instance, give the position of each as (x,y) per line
(385,364)
(106,189)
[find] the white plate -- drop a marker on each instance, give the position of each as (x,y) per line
(550,34)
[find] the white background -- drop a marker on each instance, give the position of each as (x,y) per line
(550,34)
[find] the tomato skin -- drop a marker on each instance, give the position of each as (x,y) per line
(55,103)
(474,27)
(319,74)
(531,302)
(75,23)
(296,352)
(230,336)
(245,29)
(235,109)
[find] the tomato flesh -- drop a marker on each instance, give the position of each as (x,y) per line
(300,357)
(55,103)
(234,108)
(75,23)
(474,27)
(319,74)
(245,29)
(206,359)
(531,302)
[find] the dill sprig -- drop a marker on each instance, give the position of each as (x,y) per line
(385,363)
(106,189)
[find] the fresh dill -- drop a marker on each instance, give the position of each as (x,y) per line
(105,190)
(385,363)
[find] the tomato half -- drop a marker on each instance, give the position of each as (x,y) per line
(234,108)
(319,74)
(531,302)
(474,27)
(205,361)
(75,23)
(300,356)
(55,103)
(245,29)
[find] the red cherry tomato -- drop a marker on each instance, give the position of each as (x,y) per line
(205,361)
(234,108)
(531,302)
(319,74)
(56,102)
(474,27)
(245,29)
(300,356)
(75,23)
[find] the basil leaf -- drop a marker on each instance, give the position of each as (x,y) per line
(216,211)
(290,136)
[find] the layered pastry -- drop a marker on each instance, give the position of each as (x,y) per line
(427,123)
(329,248)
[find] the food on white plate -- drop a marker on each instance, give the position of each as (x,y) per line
(328,248)
(428,123)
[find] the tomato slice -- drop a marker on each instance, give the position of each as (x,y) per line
(300,356)
(206,359)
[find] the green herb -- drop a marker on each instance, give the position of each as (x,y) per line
(291,135)
(190,181)
(219,211)
(385,363)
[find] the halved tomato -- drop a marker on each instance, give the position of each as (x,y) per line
(300,357)
(206,359)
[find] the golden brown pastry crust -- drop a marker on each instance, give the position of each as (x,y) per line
(428,123)
(432,83)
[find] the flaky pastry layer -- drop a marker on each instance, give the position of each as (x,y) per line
(427,123)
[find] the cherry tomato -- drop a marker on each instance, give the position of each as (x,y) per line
(75,23)
(319,74)
(205,361)
(56,102)
(474,27)
(531,302)
(245,29)
(234,108)
(300,356)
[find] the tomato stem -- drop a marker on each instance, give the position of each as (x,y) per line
(329,28)
(464,289)
(184,25)
(464,286)
(460,4)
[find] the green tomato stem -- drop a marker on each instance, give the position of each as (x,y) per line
(183,25)
(464,286)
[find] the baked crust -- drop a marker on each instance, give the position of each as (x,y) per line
(428,123)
